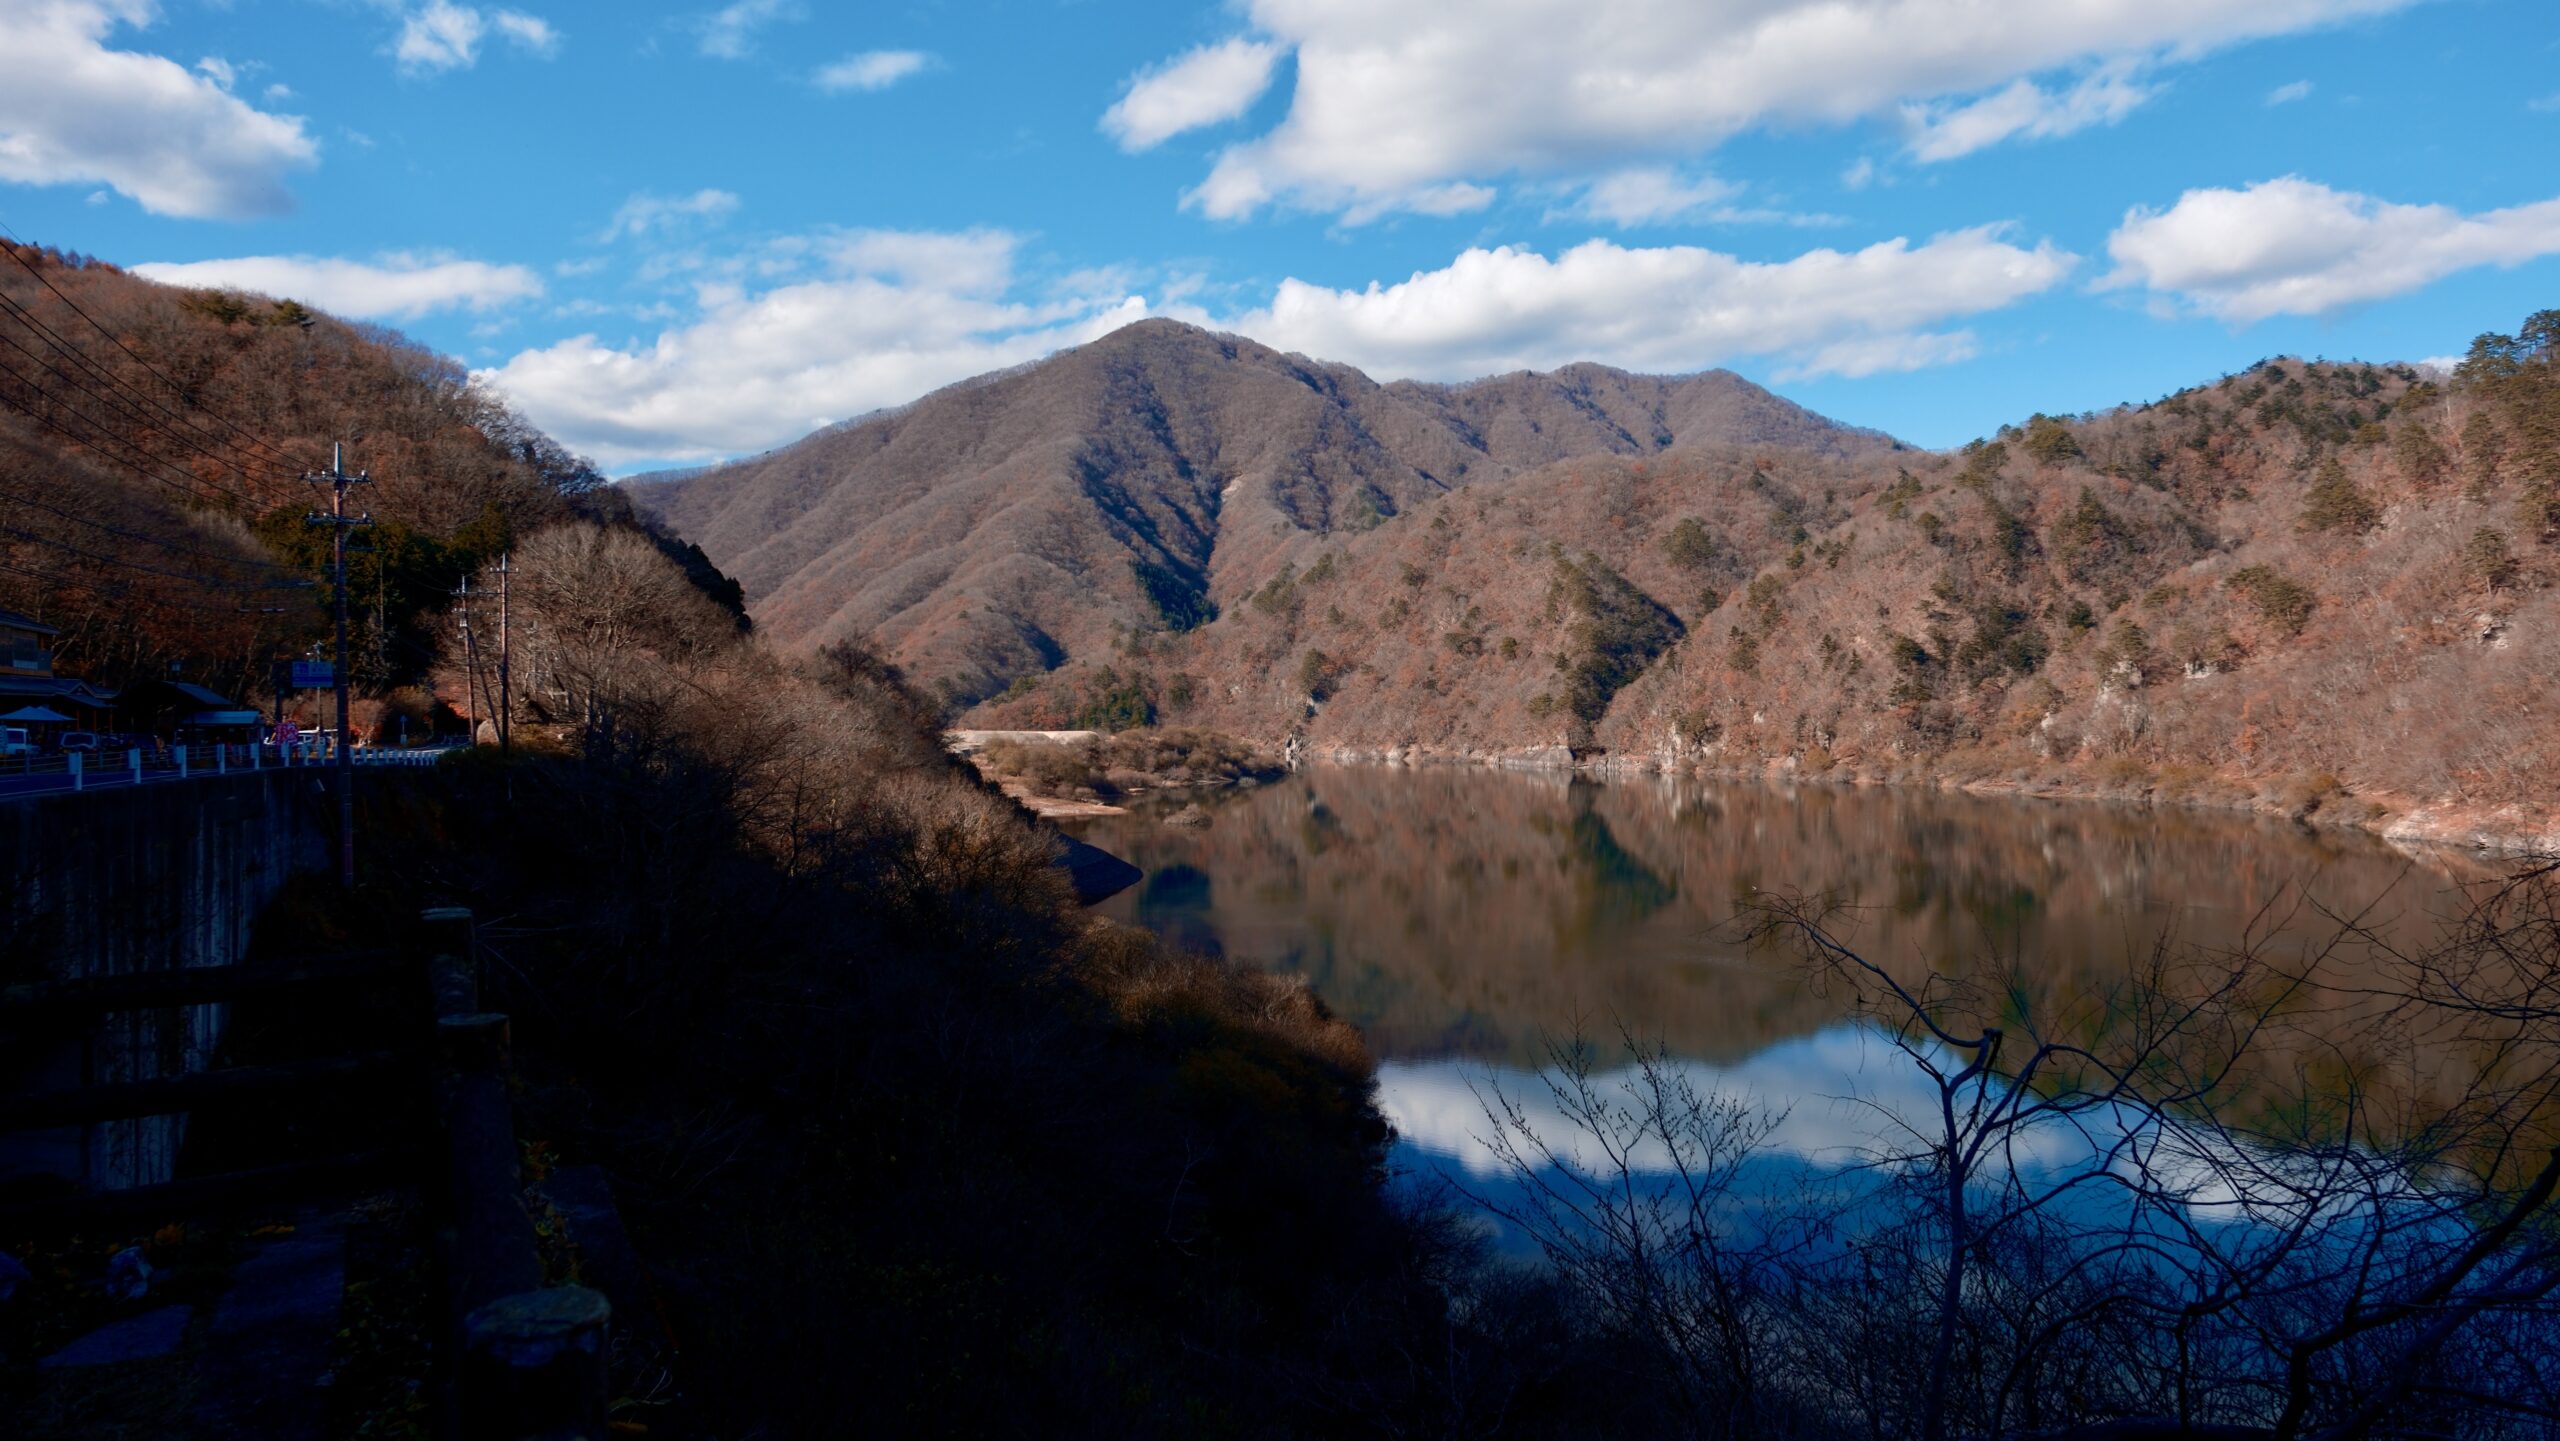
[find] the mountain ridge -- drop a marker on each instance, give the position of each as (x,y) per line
(998,526)
(2315,586)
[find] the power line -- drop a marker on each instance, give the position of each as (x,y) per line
(111,459)
(32,538)
(199,439)
(96,445)
(118,591)
(146,538)
(92,443)
(125,399)
(144,457)
(123,396)
(245,438)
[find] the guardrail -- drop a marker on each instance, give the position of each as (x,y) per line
(421,756)
(84,770)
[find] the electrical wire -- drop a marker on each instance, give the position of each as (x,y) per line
(119,591)
(193,436)
(133,456)
(243,436)
(146,538)
(33,538)
(126,401)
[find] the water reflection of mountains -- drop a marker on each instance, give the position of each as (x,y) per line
(1467,912)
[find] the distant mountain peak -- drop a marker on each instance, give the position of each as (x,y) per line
(1004,525)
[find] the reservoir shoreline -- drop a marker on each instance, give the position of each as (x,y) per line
(2508,830)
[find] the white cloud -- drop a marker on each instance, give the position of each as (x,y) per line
(967,262)
(1393,100)
(278,92)
(396,287)
(441,35)
(530,33)
(219,71)
(873,69)
(1835,1095)
(2295,247)
(2023,110)
(644,212)
(729,32)
(1860,174)
(1672,308)
(73,111)
(885,317)
(801,331)
(1656,195)
(1210,84)
(1650,195)
(2289,93)
(2546,105)
(1455,198)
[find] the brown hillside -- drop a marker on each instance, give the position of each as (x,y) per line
(1000,528)
(2311,585)
(152,444)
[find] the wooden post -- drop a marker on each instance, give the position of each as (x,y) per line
(453,962)
(494,1243)
(535,1365)
(75,770)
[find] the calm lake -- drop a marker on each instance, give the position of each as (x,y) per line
(1465,918)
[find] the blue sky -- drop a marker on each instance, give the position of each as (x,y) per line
(671,234)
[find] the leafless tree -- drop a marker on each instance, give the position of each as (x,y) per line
(2287,1190)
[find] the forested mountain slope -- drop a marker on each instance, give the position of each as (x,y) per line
(152,446)
(2312,584)
(1145,482)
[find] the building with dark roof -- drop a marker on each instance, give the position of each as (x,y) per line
(181,710)
(27,680)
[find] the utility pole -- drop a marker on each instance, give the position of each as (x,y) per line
(337,519)
(506,651)
(471,685)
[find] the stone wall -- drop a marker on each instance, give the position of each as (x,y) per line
(112,881)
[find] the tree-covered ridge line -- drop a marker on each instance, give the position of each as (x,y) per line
(152,446)
(2309,584)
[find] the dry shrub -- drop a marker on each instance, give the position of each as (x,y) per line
(1048,767)
(2306,792)
(1128,762)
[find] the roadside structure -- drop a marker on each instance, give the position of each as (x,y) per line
(28,682)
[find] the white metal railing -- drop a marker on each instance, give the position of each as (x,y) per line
(421,756)
(82,770)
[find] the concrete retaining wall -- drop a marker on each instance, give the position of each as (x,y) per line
(139,878)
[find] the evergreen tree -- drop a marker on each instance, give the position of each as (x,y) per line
(2335,503)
